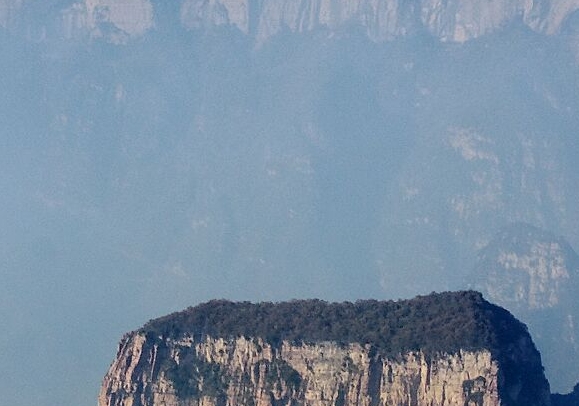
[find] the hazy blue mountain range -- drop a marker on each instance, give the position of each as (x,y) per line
(159,154)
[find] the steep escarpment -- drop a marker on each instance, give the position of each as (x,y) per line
(441,349)
(381,20)
(455,21)
(535,274)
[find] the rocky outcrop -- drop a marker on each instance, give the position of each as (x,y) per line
(203,370)
(118,21)
(525,269)
(535,274)
(455,20)
(320,374)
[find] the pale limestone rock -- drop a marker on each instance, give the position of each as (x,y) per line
(132,17)
(382,19)
(558,12)
(452,20)
(330,375)
(459,21)
(543,268)
(546,266)
(197,14)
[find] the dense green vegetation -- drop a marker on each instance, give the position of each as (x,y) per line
(445,322)
(436,323)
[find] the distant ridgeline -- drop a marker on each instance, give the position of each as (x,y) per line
(442,349)
(445,322)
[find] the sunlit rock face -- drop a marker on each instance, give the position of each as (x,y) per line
(454,21)
(536,275)
(117,21)
(528,269)
(321,374)
(131,17)
(447,349)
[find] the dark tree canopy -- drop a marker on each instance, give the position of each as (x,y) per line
(439,322)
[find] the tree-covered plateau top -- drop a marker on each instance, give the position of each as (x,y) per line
(439,322)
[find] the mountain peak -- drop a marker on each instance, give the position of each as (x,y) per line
(444,349)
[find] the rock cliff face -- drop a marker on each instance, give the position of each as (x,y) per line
(528,269)
(455,20)
(536,275)
(202,370)
(318,374)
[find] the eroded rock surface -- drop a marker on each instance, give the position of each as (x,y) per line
(455,21)
(173,364)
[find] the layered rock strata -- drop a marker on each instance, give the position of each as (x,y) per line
(191,369)
(320,374)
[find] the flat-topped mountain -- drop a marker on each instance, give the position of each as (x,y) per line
(440,349)
(156,151)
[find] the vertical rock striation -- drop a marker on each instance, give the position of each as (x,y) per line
(188,368)
(455,21)
(320,374)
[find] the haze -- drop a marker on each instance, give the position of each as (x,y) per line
(184,164)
